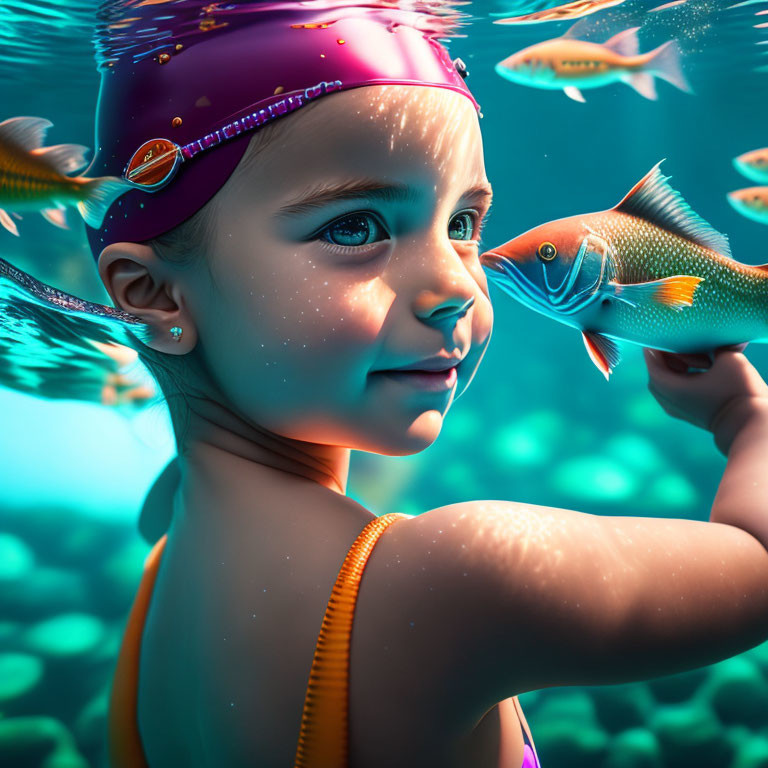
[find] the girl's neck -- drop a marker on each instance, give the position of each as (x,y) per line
(214,430)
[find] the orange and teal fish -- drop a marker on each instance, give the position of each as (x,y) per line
(753,165)
(565,63)
(751,202)
(649,271)
(34,177)
(574,10)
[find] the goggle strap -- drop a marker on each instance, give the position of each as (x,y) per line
(258,118)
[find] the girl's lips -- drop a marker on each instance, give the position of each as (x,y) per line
(432,381)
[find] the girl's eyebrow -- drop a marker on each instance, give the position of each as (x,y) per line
(372,189)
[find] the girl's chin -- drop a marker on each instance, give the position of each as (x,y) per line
(416,437)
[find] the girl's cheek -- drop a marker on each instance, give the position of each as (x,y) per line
(364,307)
(325,317)
(483,320)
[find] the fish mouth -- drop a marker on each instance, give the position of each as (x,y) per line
(504,273)
(493,260)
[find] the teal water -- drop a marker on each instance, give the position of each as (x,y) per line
(539,423)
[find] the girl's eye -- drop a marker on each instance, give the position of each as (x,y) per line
(353,230)
(360,229)
(462,226)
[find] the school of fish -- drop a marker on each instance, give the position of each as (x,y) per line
(752,202)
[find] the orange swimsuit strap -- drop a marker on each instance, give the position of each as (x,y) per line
(125,748)
(323,738)
(324,734)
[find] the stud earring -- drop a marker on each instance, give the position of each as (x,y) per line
(461,68)
(176,333)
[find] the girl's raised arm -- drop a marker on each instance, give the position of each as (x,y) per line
(533,597)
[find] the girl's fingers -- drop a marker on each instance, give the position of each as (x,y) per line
(667,367)
(674,362)
(672,373)
(702,361)
(683,362)
(732,348)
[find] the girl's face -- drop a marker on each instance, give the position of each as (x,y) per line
(314,294)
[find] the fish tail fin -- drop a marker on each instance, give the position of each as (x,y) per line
(644,84)
(99,194)
(665,62)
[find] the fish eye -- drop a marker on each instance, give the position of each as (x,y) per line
(547,251)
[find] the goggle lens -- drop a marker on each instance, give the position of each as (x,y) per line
(153,163)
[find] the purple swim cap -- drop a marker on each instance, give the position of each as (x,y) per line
(181,70)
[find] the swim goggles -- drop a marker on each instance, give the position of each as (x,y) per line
(156,162)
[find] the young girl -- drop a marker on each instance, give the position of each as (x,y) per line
(313,286)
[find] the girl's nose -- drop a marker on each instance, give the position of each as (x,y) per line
(448,287)
(432,308)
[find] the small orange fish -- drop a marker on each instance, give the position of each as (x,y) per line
(574,10)
(572,65)
(753,165)
(751,202)
(34,177)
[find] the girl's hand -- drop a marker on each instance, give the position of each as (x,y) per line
(720,398)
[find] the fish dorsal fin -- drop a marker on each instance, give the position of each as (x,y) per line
(625,43)
(27,133)
(574,31)
(654,200)
(63,158)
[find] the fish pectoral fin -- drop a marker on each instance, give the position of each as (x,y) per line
(574,93)
(8,223)
(55,216)
(676,291)
(603,351)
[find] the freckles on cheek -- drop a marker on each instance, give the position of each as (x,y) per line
(332,313)
(313,312)
(366,306)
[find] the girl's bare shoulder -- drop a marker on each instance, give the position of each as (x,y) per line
(539,596)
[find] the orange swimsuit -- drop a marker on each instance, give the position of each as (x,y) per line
(323,738)
(324,733)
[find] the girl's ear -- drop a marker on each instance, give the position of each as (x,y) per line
(139,283)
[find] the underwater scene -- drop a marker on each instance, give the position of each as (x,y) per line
(580,102)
